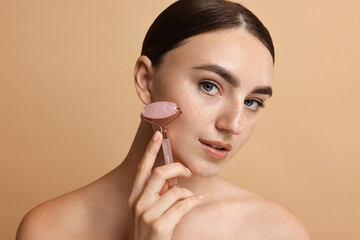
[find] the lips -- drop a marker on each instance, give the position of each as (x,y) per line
(216,149)
(216,144)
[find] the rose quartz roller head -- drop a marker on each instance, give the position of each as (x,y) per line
(162,110)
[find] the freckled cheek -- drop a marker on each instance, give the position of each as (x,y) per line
(194,115)
(183,126)
(185,129)
(249,129)
(252,122)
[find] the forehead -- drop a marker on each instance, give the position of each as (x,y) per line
(234,49)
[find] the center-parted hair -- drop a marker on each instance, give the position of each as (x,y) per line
(187,18)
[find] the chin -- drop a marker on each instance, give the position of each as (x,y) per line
(204,169)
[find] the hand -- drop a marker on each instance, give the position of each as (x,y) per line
(155,209)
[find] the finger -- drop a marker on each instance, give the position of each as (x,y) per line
(146,164)
(160,174)
(165,188)
(173,216)
(157,180)
(166,201)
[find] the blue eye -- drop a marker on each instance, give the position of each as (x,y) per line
(210,87)
(253,104)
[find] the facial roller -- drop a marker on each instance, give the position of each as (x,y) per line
(162,110)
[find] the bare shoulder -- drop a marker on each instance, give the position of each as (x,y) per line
(54,218)
(275,221)
(261,218)
(237,213)
(88,213)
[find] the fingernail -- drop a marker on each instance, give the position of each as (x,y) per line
(200,197)
(188,170)
(156,136)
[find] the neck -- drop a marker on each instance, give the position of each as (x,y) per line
(137,149)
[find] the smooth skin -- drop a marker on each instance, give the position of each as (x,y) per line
(134,201)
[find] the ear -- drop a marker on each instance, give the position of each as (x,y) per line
(143,75)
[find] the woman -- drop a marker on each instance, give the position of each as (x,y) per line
(214,59)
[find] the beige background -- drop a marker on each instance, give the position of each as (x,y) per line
(68,109)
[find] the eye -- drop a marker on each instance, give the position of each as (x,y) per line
(253,104)
(210,87)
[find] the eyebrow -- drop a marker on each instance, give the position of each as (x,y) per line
(232,80)
(222,72)
(263,90)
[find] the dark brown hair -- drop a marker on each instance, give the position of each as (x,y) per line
(187,18)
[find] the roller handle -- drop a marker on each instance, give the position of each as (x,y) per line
(168,158)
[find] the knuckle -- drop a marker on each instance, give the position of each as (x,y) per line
(157,227)
(141,167)
(145,218)
(137,207)
(158,172)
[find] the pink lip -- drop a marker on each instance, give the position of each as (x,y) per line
(213,152)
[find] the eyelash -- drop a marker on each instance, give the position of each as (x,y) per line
(214,84)
(259,102)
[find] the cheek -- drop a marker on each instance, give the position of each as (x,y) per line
(249,129)
(187,124)
(251,122)
(184,130)
(160,90)
(178,89)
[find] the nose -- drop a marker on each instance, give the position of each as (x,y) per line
(232,119)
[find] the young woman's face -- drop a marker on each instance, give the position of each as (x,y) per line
(220,81)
